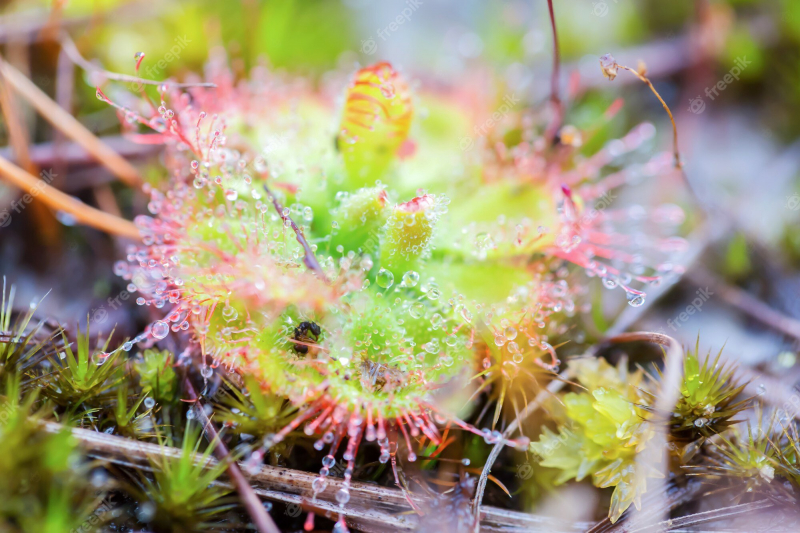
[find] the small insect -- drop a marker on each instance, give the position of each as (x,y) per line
(377,376)
(308,332)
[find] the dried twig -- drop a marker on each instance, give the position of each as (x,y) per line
(57,200)
(46,154)
(725,513)
(657,451)
(19,139)
(17,132)
(65,88)
(674,368)
(257,512)
(70,126)
(371,507)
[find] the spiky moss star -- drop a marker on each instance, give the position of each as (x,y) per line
(600,432)
(789,452)
(181,495)
(710,398)
(753,460)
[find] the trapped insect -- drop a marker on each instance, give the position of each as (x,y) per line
(306,332)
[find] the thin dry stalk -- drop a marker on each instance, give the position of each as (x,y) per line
(656,503)
(554,386)
(257,512)
(665,403)
(59,201)
(657,451)
(65,88)
(70,126)
(49,154)
(17,132)
(725,513)
(646,80)
(19,139)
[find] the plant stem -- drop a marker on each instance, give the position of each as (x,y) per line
(674,357)
(48,154)
(647,81)
(656,451)
(19,139)
(309,258)
(251,502)
(558,106)
(68,45)
(654,503)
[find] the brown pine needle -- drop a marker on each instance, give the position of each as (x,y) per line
(57,200)
(17,132)
(68,125)
(19,139)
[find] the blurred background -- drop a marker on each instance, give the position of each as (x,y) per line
(728,69)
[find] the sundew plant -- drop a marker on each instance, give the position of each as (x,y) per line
(344,271)
(374,292)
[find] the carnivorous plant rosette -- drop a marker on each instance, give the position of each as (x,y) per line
(366,268)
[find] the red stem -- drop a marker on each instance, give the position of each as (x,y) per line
(309,259)
(558,107)
(251,502)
